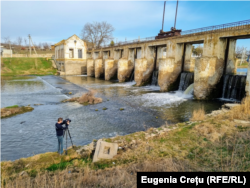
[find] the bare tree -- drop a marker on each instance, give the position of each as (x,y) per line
(97,32)
(19,41)
(239,51)
(25,42)
(6,40)
(45,45)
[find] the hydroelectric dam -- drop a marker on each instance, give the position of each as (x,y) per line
(167,62)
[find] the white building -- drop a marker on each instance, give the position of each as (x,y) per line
(70,56)
(6,52)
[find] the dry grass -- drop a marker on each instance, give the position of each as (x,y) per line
(241,112)
(198,115)
(87,98)
(124,176)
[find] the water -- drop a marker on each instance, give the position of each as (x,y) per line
(154,78)
(242,71)
(233,87)
(132,78)
(186,80)
(37,134)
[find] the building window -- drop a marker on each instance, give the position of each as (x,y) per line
(79,53)
(71,53)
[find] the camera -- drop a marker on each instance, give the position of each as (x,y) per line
(68,119)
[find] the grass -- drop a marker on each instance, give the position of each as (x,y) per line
(214,144)
(198,115)
(14,106)
(14,110)
(26,66)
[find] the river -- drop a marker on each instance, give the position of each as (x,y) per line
(31,133)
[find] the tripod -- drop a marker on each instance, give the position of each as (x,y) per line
(66,131)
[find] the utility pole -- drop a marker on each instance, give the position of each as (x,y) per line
(10,49)
(30,41)
(29,45)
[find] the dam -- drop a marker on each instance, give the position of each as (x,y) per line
(168,62)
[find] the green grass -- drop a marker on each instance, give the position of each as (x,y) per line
(14,106)
(27,66)
(59,166)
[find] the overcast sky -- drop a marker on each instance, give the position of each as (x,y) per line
(52,21)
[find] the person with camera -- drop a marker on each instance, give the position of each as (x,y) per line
(59,132)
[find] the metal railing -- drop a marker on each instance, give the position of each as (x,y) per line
(222,27)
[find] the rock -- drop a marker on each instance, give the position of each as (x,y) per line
(23,174)
(156,117)
(96,109)
(121,109)
(70,93)
(22,122)
(241,121)
(37,104)
(104,108)
(230,105)
(89,148)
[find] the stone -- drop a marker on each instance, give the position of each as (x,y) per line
(241,121)
(23,174)
(105,150)
(87,148)
(230,105)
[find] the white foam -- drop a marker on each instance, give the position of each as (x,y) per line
(163,99)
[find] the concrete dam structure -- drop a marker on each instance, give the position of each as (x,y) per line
(166,59)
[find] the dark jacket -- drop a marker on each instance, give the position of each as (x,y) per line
(60,128)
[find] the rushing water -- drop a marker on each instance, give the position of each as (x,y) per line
(154,81)
(187,78)
(33,132)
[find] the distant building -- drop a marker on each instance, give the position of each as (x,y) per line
(70,56)
(6,51)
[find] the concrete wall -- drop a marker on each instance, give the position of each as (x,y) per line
(248,81)
(90,67)
(208,69)
(170,67)
(77,67)
(231,60)
(99,68)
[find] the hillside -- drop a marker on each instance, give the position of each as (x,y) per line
(26,66)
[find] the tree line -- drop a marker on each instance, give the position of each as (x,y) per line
(22,43)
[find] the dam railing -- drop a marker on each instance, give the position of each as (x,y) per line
(210,29)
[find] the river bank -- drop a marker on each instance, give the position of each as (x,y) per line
(219,142)
(17,66)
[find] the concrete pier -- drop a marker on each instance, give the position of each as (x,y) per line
(110,68)
(90,67)
(99,68)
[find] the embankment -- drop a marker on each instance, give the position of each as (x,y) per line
(26,66)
